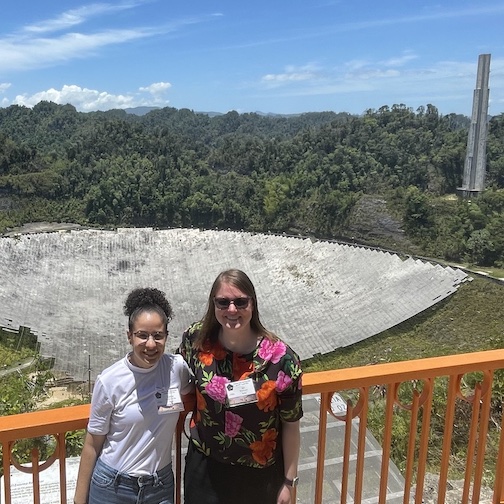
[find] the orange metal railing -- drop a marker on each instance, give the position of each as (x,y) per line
(363,382)
(56,422)
(424,373)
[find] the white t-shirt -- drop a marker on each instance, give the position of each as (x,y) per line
(124,407)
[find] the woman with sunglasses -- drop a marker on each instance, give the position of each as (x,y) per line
(244,444)
(126,458)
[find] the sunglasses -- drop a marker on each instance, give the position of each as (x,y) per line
(223,303)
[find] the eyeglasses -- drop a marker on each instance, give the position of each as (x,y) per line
(156,336)
(223,303)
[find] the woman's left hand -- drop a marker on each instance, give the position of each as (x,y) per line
(285,495)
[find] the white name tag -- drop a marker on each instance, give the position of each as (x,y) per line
(241,392)
(169,401)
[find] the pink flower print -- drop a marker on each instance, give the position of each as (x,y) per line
(272,350)
(282,382)
(233,424)
(216,388)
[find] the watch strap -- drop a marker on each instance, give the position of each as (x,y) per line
(292,482)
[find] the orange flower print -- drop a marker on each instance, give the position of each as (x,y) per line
(241,368)
(267,396)
(218,351)
(200,404)
(206,358)
(209,352)
(263,450)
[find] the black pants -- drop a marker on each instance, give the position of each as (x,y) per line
(207,481)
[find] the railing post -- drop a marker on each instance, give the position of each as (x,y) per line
(424,440)
(178,458)
(319,479)
(35,475)
(498,495)
(410,456)
(346,452)
(482,440)
(6,451)
(387,440)
(453,384)
(359,469)
(60,438)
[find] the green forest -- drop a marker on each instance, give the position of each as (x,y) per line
(303,174)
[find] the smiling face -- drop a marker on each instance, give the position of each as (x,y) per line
(147,351)
(232,318)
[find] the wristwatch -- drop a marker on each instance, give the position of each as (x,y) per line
(292,482)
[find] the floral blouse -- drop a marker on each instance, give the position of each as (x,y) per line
(248,434)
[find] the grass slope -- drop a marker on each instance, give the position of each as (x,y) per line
(470,320)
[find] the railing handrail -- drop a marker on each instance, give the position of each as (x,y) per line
(61,420)
(391,372)
(39,423)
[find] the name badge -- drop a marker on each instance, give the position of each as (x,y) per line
(169,401)
(241,392)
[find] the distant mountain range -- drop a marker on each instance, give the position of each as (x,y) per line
(140,111)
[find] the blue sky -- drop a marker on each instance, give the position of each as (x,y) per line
(276,56)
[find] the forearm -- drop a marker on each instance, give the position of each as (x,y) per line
(291,442)
(90,452)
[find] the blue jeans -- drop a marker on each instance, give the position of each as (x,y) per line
(109,486)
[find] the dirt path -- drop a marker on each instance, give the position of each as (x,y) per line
(12,369)
(42,227)
(58,394)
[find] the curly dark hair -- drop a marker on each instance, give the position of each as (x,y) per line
(147,299)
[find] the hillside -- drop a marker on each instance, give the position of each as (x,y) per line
(388,177)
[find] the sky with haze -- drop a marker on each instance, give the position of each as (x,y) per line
(274,56)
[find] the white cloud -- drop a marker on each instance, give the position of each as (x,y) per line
(363,69)
(156,88)
(375,74)
(353,65)
(449,81)
(285,77)
(75,17)
(5,102)
(399,60)
(86,100)
(42,52)
(34,46)
(4,86)
(292,74)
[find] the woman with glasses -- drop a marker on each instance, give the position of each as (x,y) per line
(244,444)
(126,458)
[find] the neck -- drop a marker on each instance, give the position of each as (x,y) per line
(239,343)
